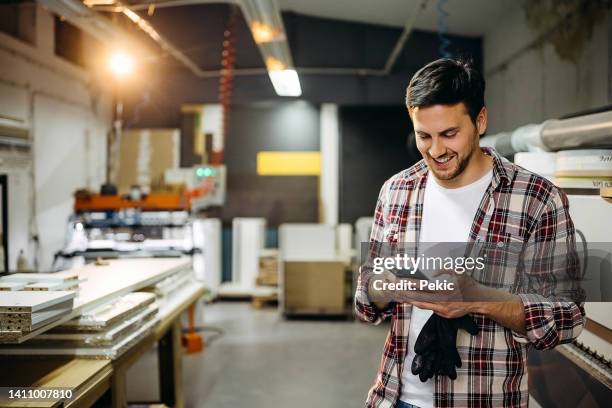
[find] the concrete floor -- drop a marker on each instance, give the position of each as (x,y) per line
(265,361)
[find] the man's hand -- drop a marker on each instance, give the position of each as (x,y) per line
(503,307)
(449,310)
(467,290)
(467,296)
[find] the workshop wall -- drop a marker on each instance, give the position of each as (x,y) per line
(375,145)
(528,82)
(272,126)
(68,119)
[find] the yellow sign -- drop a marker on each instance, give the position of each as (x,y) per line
(289,163)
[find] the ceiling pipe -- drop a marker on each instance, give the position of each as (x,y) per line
(92,23)
(100,27)
(165,45)
(247,7)
(264,20)
(399,45)
(176,3)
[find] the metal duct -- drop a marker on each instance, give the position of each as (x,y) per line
(588,131)
(593,130)
(501,142)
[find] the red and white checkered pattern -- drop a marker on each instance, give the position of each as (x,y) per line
(518,207)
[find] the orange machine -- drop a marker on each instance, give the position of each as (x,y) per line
(151,202)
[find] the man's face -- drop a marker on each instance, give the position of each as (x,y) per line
(447,137)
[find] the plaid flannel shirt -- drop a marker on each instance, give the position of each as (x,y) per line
(518,206)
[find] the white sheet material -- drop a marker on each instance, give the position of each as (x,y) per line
(30,301)
(447,217)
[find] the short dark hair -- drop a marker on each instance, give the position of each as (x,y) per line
(447,81)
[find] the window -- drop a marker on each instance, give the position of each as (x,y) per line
(18,19)
(69,42)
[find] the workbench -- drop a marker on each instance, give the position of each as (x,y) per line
(90,379)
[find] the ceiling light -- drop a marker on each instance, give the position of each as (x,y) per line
(121,64)
(274,64)
(286,82)
(264,33)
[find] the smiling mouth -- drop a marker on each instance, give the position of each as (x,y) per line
(442,160)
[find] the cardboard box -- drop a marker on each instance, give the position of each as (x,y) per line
(268,270)
(315,287)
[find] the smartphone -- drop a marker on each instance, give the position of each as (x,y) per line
(410,273)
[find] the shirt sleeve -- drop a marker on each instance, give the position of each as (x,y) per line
(552,299)
(364,308)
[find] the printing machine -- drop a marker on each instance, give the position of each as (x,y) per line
(577,374)
(580,374)
(116,227)
(159,225)
(149,225)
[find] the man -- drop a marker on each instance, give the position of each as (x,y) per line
(462,193)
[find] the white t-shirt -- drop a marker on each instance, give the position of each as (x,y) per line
(448,215)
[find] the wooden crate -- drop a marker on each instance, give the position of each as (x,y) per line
(260,301)
(268,269)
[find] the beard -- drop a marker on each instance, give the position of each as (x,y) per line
(462,163)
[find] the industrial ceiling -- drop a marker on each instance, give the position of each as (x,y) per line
(465,17)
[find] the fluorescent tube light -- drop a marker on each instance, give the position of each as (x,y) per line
(286,82)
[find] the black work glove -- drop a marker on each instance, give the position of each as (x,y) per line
(425,365)
(426,362)
(436,346)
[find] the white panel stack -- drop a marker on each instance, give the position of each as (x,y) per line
(207,265)
(108,314)
(588,168)
(307,242)
(248,239)
(541,163)
(584,163)
(24,311)
(63,281)
(344,242)
(105,332)
(363,229)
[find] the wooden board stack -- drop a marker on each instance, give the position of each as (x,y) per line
(24,311)
(103,333)
(108,314)
(60,281)
(170,285)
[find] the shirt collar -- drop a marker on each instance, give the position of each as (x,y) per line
(502,171)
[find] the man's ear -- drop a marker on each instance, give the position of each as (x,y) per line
(481,121)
